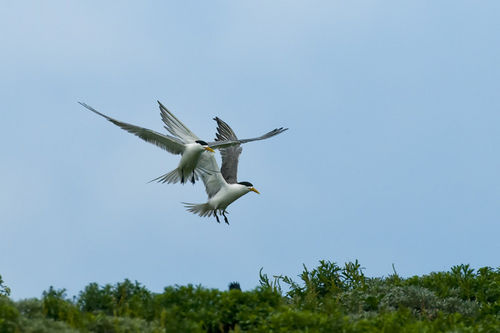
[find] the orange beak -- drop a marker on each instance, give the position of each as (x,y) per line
(209,149)
(254,190)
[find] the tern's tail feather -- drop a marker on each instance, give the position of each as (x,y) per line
(203,210)
(171,177)
(175,176)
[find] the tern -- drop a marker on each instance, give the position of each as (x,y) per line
(222,187)
(183,142)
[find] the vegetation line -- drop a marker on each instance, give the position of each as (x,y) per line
(328,298)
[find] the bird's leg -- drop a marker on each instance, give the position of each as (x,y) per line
(192,178)
(182,176)
(216,217)
(225,217)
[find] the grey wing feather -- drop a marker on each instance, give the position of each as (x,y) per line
(224,132)
(229,146)
(228,143)
(230,155)
(268,135)
(175,126)
(223,144)
(169,143)
(212,179)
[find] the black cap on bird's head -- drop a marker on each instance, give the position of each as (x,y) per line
(205,145)
(250,186)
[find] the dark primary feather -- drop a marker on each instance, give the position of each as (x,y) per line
(231,154)
(224,132)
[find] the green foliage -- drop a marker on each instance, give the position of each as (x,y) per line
(124,299)
(294,320)
(327,298)
(9,316)
(56,306)
(96,299)
(188,308)
(248,309)
(113,324)
(4,290)
(323,283)
(193,308)
(463,282)
(33,320)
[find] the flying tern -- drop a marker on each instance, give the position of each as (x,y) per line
(223,188)
(183,142)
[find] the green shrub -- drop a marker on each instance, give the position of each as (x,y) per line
(55,306)
(4,290)
(327,298)
(46,325)
(112,324)
(95,299)
(9,316)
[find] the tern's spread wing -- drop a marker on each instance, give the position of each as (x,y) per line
(230,149)
(223,144)
(228,143)
(272,133)
(212,177)
(224,132)
(175,126)
(169,143)
(229,155)
(227,137)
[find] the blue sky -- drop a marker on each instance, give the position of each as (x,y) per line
(391,157)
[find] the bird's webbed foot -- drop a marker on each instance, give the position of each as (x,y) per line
(192,178)
(225,217)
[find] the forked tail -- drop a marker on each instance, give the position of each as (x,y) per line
(171,177)
(203,210)
(175,176)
